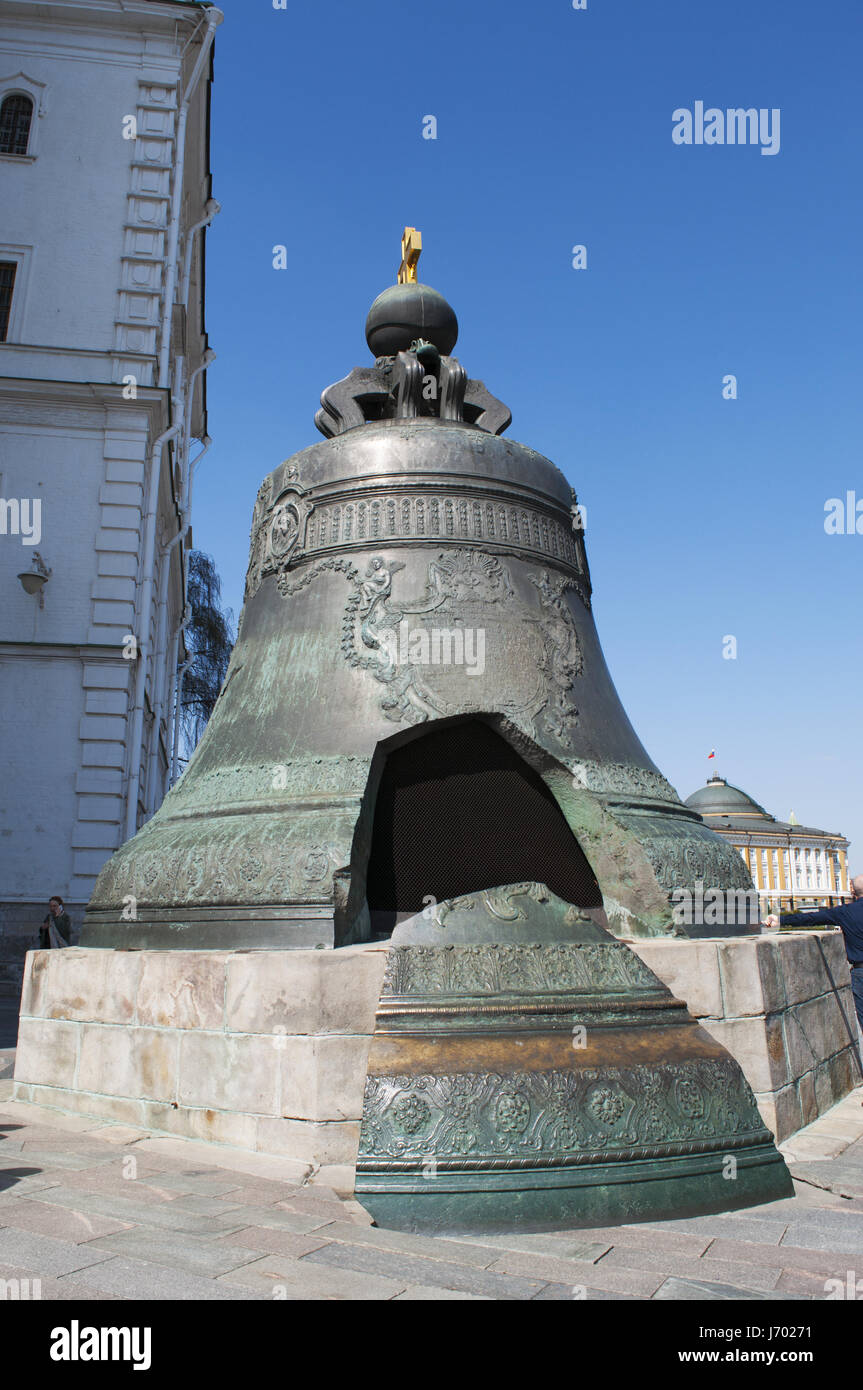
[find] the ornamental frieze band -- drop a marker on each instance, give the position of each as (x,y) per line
(623,778)
(296,528)
(558,1117)
(497,969)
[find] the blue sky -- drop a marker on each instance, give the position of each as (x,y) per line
(705,516)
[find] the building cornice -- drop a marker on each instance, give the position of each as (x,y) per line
(92,652)
(122,14)
(103,31)
(34,391)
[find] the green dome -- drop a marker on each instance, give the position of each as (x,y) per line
(719,798)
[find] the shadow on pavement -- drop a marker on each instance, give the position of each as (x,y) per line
(10,1176)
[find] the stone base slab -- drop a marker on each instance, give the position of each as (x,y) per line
(261,1050)
(266,1051)
(782,1006)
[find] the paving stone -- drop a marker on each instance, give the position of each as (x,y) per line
(206,1185)
(61,1290)
(797,1149)
(421,1293)
(710,1227)
(831,1222)
(354,1212)
(273,1219)
(125,1135)
(177,1250)
(264,1238)
(61,1157)
(800,1281)
(780,1256)
(330,1210)
(148,1161)
(36,1255)
(249,1164)
(203,1206)
(581,1273)
(259,1196)
(840,1127)
(699,1289)
(845,1235)
(404,1242)
(14,1161)
(791,1207)
(33,1116)
(565,1247)
(563,1293)
(323,1193)
(690,1267)
(136,1279)
(15,1170)
(339,1176)
(299,1280)
(416,1270)
(82,1146)
(641,1237)
(838,1176)
(26,1181)
(26,1214)
(761,1229)
(111,1183)
(152,1214)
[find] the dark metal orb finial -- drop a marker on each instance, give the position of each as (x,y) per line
(405,313)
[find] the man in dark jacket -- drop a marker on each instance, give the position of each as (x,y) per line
(57,917)
(849,919)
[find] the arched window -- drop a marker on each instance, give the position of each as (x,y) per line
(16,114)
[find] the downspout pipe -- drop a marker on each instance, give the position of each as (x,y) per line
(212,210)
(168,675)
(212,19)
(178,703)
(145,614)
(160,673)
(179,675)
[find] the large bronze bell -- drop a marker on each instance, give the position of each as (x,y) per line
(418,719)
(417,704)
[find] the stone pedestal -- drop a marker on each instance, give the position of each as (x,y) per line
(782,1005)
(260,1050)
(268,1050)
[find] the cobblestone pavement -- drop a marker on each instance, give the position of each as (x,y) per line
(98,1211)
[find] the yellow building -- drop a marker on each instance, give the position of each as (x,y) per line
(793,866)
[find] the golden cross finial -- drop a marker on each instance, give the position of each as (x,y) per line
(412,244)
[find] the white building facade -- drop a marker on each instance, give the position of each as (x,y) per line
(793,866)
(105,196)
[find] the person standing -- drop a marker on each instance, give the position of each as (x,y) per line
(849,919)
(56,930)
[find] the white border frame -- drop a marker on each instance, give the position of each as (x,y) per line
(23,256)
(21,83)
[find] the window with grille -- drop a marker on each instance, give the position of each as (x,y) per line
(7,285)
(16,113)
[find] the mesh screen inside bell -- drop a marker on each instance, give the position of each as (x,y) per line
(458,810)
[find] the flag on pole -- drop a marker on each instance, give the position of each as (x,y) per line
(711,754)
